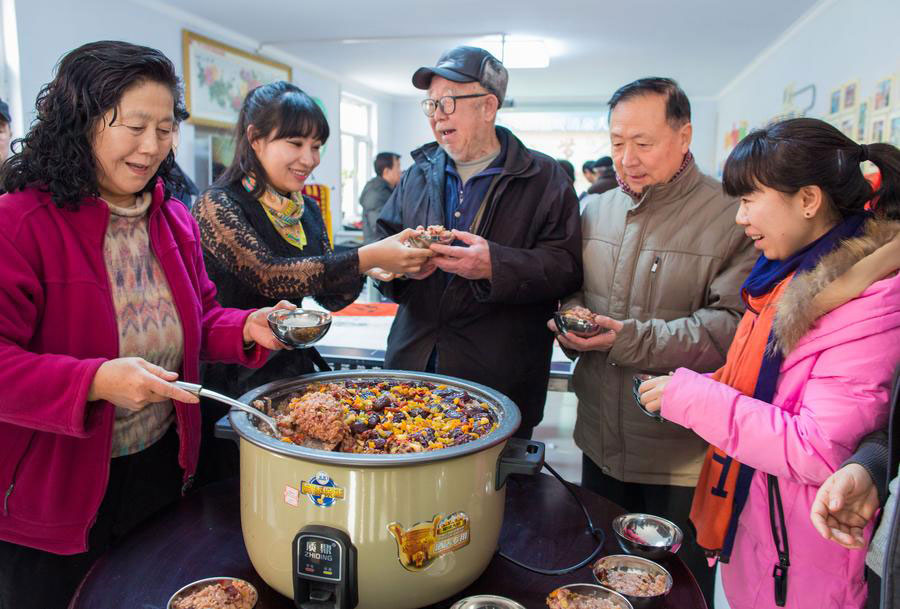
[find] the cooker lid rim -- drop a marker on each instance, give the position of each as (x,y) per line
(510,419)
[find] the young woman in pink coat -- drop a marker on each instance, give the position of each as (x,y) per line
(809,371)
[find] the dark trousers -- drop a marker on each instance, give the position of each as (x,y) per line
(139,486)
(670,502)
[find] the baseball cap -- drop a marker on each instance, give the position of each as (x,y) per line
(460,64)
(4,112)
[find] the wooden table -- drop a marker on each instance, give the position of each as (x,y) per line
(201,537)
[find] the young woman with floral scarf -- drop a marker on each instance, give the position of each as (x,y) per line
(264,241)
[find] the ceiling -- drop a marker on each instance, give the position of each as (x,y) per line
(595,46)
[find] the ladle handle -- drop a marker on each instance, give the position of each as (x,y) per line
(200,391)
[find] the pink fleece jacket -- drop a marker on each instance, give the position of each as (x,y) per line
(57,326)
(833,390)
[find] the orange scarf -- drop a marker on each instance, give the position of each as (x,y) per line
(718,489)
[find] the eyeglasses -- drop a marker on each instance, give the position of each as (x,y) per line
(446,103)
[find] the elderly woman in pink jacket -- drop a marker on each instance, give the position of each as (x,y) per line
(105,301)
(808,373)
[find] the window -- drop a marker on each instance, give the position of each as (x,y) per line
(357,126)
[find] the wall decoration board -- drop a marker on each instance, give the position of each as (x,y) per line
(217,78)
(894,129)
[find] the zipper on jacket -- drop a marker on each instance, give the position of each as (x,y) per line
(12,482)
(9,491)
(653,269)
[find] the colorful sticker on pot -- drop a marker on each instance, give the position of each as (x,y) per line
(322,490)
(291,496)
(421,544)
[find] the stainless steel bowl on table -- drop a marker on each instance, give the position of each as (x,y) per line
(647,535)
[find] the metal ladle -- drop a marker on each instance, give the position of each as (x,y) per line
(199,391)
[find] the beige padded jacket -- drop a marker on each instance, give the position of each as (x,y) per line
(670,266)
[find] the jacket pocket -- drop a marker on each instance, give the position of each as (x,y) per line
(18,449)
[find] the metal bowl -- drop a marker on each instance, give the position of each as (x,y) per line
(633,564)
(486,601)
(578,327)
(599,592)
(647,535)
(299,328)
(202,583)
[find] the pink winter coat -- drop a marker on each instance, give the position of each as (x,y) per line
(57,326)
(833,389)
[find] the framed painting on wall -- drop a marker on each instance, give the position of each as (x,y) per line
(878,130)
(894,137)
(882,97)
(217,77)
(851,95)
(835,103)
(860,135)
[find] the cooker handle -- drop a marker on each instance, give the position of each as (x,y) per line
(225,431)
(519,456)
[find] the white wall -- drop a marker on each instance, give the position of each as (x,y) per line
(838,41)
(703,145)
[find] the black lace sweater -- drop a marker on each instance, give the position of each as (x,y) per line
(253,266)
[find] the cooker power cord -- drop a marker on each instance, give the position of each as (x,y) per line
(597,533)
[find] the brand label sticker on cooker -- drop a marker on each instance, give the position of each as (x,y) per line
(420,545)
(322,490)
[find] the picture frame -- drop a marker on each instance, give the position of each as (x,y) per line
(217,78)
(835,102)
(881,100)
(894,129)
(878,129)
(860,135)
(850,96)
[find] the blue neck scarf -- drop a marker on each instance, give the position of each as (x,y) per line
(766,274)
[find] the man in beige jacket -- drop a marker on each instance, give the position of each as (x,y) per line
(663,262)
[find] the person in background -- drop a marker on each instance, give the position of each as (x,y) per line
(809,371)
(378,190)
(587,170)
(568,168)
(105,303)
(264,241)
(846,502)
(664,262)
(605,176)
(5,131)
(476,310)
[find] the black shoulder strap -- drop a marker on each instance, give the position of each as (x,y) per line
(779,536)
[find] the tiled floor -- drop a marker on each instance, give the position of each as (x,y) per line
(555,431)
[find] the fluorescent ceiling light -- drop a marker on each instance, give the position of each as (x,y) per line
(518,52)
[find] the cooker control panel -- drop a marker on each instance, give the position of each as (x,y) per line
(319,557)
(324,569)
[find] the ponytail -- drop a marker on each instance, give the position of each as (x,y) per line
(886,200)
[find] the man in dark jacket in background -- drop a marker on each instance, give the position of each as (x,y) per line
(478,309)
(378,190)
(604,176)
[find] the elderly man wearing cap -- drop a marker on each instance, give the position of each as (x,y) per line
(477,310)
(5,130)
